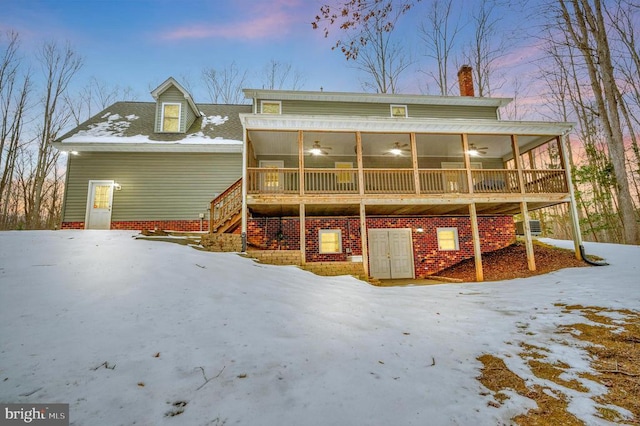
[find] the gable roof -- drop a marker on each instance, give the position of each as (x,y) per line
(129,126)
(172,82)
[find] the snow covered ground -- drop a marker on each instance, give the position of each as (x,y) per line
(278,345)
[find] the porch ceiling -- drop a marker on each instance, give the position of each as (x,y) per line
(341,144)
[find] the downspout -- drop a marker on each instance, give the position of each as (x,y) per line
(589,261)
(244,187)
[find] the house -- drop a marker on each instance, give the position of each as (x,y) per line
(385,185)
(148,165)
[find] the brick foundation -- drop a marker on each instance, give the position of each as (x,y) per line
(284,234)
(139,225)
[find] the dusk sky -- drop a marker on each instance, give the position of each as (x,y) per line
(139,43)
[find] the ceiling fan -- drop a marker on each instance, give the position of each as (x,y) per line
(475,151)
(317,149)
(398,149)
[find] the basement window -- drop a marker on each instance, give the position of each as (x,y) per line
(448,239)
(330,241)
(271,107)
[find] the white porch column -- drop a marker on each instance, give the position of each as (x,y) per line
(363,239)
(477,247)
(524,209)
(573,207)
(245,162)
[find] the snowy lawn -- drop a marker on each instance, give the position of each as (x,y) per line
(197,338)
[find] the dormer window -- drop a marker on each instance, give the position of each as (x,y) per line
(171,117)
(399,111)
(271,107)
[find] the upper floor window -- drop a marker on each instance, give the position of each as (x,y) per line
(399,111)
(171,117)
(271,107)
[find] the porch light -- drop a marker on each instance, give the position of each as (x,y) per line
(419,230)
(473,152)
(74,153)
(117,186)
(396,151)
(315,151)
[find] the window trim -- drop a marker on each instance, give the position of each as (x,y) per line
(329,231)
(279,103)
(406,111)
(456,238)
(162,130)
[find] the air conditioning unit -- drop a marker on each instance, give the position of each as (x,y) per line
(534,226)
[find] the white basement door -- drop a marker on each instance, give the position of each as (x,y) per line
(390,253)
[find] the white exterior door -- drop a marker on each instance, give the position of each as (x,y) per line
(390,253)
(99,201)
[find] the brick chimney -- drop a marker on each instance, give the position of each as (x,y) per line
(465,79)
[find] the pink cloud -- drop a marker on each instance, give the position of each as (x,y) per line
(271,22)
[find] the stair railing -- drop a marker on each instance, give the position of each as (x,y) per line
(226,205)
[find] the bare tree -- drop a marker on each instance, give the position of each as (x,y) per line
(280,75)
(486,46)
(439,34)
(95,96)
(14,93)
(225,85)
(381,60)
(59,65)
(586,27)
(354,19)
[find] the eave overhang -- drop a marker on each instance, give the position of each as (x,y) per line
(148,147)
(374,98)
(404,125)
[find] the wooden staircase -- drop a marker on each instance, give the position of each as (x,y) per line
(226,210)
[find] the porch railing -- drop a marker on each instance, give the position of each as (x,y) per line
(441,181)
(500,181)
(331,181)
(388,181)
(402,181)
(545,181)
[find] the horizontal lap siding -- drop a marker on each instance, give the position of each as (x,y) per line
(367,109)
(155,186)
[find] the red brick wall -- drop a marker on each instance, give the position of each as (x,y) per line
(284,234)
(139,225)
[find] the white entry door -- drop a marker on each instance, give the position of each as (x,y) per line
(390,253)
(99,201)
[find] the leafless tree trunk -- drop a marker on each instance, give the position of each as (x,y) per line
(381,60)
(486,46)
(59,66)
(225,85)
(13,104)
(586,27)
(439,35)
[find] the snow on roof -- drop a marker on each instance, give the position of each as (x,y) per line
(133,123)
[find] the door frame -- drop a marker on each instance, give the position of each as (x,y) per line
(90,195)
(390,255)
